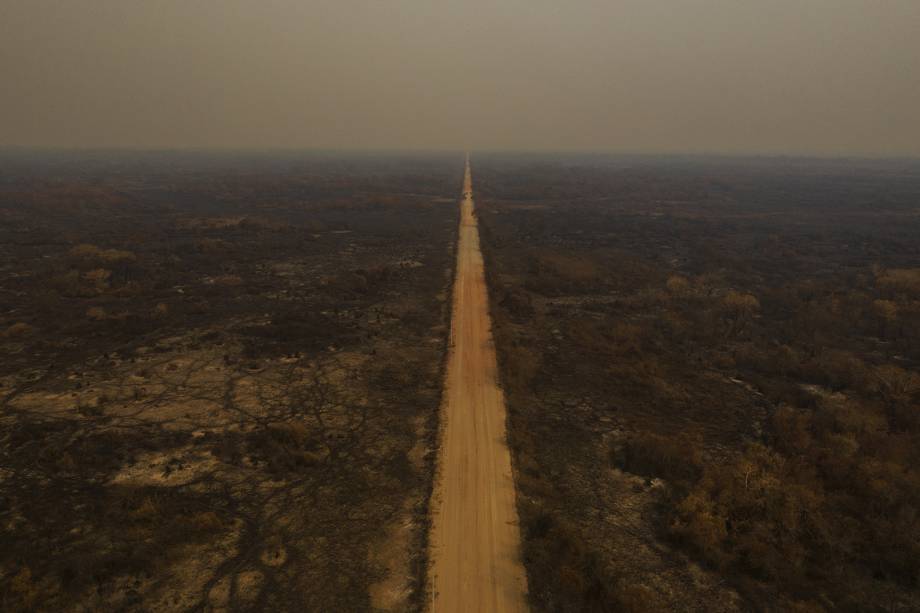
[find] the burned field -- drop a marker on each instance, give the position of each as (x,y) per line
(220,378)
(712,369)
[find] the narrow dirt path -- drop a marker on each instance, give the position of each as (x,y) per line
(475,540)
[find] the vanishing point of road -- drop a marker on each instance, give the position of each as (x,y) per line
(475,538)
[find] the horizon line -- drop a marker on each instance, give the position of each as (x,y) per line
(611,152)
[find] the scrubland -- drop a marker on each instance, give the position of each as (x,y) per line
(712,369)
(220,378)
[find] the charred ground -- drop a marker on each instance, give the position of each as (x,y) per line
(711,368)
(220,378)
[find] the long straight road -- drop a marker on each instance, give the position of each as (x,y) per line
(475,539)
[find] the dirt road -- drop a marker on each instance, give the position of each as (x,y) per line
(475,541)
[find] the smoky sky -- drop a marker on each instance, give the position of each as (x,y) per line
(839,77)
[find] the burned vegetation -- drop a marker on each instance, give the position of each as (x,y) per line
(712,368)
(220,378)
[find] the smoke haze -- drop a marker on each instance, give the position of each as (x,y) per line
(836,77)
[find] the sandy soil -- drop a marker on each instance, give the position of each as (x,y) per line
(475,539)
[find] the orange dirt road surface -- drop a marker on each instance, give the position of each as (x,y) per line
(475,538)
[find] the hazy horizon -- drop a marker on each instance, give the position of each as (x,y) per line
(421,151)
(830,78)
